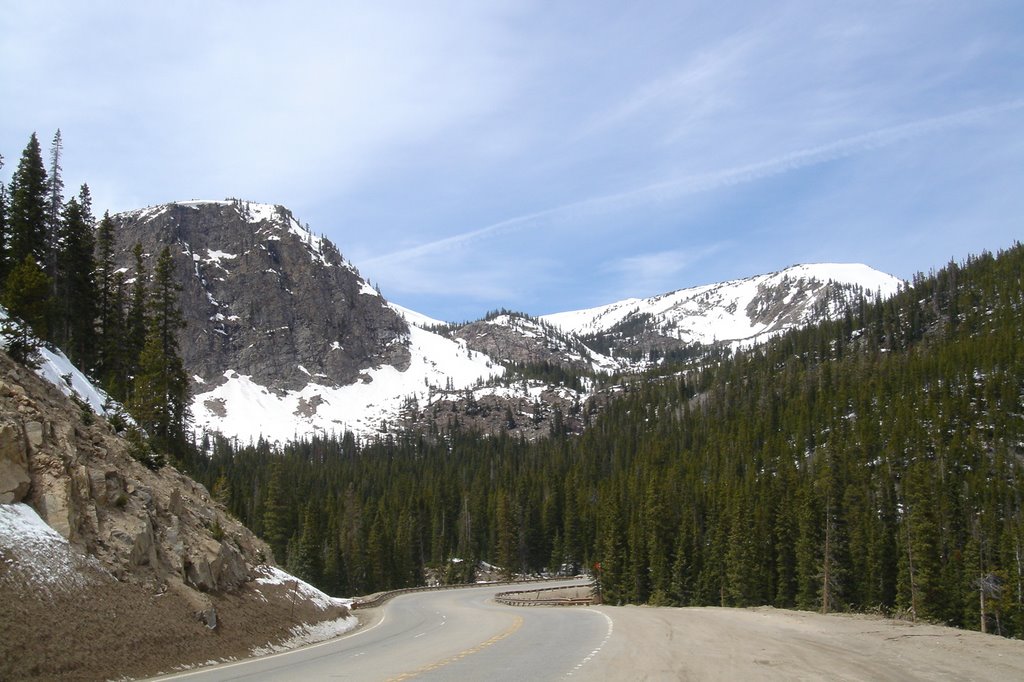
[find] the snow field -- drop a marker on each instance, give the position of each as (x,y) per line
(253,411)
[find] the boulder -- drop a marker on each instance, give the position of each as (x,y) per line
(143,551)
(229,569)
(198,569)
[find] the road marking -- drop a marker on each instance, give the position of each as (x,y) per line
(607,636)
(334,640)
(419,635)
(462,654)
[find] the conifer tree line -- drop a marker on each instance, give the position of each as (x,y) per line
(870,463)
(60,286)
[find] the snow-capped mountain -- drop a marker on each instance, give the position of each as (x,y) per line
(285,339)
(737,313)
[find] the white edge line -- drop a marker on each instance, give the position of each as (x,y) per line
(255,659)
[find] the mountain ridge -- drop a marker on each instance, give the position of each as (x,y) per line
(739,312)
(286,339)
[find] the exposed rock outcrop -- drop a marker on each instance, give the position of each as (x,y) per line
(264,297)
(132,571)
(143,526)
(519,339)
(14,476)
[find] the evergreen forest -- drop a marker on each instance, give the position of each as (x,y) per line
(869,463)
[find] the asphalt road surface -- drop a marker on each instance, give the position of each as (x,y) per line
(464,635)
(457,634)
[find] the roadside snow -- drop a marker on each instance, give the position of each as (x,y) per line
(305,633)
(310,634)
(33,552)
(272,575)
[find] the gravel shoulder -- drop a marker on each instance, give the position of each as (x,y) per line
(774,644)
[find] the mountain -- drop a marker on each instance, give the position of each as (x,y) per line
(741,312)
(286,339)
(263,296)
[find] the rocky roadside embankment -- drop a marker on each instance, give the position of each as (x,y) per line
(135,571)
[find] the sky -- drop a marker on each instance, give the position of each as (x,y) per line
(545,156)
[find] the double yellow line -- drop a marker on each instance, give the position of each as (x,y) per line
(462,654)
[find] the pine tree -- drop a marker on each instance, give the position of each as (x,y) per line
(27,217)
(76,288)
(277,527)
(111,341)
(26,296)
(4,236)
(507,535)
(136,321)
(308,561)
(159,398)
(113,358)
(54,205)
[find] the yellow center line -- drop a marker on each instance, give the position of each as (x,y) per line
(462,654)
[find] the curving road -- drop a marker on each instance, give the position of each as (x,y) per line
(464,635)
(445,635)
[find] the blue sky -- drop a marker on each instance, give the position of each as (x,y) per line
(546,156)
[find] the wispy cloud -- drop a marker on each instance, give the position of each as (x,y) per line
(695,88)
(656,272)
(706,182)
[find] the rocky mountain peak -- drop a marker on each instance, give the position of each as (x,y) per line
(265,298)
(524,340)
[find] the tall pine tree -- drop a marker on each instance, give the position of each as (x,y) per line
(109,312)
(76,288)
(54,205)
(160,389)
(4,238)
(136,321)
(27,209)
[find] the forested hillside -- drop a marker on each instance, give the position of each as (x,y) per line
(870,463)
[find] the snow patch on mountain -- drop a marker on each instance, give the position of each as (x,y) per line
(414,318)
(241,408)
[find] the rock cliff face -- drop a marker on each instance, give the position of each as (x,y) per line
(265,298)
(146,527)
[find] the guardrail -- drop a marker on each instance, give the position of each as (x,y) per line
(378,599)
(518,597)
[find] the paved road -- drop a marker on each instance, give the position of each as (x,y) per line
(446,635)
